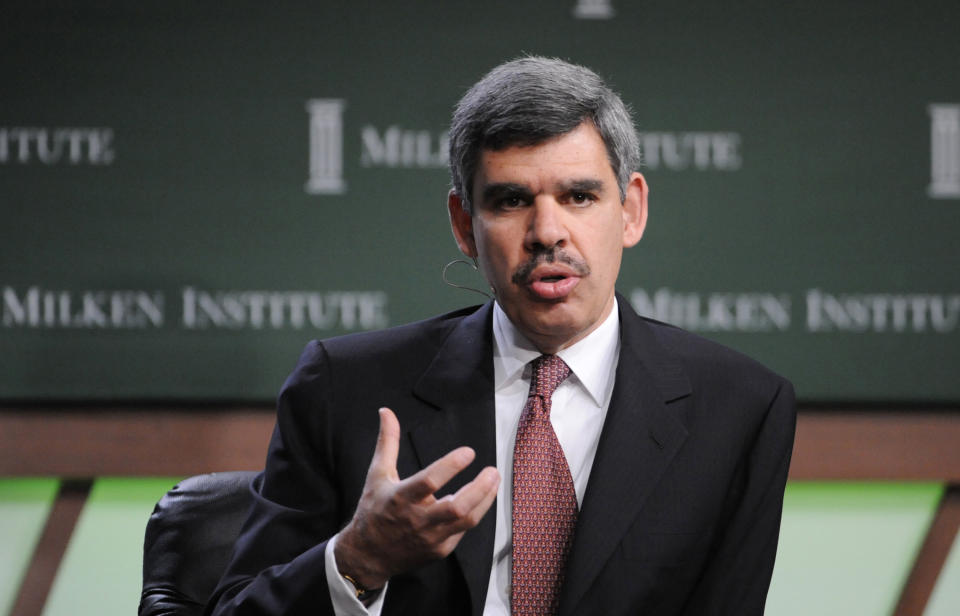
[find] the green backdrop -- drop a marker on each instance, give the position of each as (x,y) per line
(191,192)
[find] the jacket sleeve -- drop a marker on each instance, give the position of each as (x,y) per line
(278,561)
(737,577)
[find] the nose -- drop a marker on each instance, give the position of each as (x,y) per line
(546,227)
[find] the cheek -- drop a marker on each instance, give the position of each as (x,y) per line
(607,251)
(491,259)
(494,247)
(499,266)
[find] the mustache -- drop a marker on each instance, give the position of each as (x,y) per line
(549,255)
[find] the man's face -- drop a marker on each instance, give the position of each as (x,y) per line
(548,230)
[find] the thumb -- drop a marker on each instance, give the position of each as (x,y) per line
(384,461)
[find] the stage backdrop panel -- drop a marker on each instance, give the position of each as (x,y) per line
(190,193)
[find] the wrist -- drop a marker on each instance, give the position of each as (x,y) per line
(357,565)
(364,595)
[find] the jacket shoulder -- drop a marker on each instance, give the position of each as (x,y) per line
(401,345)
(712,366)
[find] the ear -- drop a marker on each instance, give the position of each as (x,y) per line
(461,222)
(635,210)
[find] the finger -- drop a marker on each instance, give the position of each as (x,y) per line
(388,444)
(424,483)
(464,509)
(450,543)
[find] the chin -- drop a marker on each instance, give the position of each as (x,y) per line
(558,329)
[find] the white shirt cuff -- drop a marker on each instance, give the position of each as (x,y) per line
(342,593)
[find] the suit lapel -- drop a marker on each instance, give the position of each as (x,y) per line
(640,436)
(459,384)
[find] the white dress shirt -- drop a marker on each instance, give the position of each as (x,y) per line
(578,409)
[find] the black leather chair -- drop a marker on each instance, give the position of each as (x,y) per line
(189,540)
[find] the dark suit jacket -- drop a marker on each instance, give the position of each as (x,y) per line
(681,513)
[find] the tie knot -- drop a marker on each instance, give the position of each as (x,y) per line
(548,372)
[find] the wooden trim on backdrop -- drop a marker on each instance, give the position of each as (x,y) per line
(932,556)
(896,445)
(893,445)
(56,534)
(132,441)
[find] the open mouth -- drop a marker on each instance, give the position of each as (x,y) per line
(551,277)
(552,285)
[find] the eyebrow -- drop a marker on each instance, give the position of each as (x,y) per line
(499,190)
(583,185)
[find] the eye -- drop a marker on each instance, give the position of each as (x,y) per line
(511,202)
(581,198)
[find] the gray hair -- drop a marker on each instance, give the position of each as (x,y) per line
(530,100)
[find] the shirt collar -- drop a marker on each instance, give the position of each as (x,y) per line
(592,360)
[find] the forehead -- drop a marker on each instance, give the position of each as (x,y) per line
(577,155)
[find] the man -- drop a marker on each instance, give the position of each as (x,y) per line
(636,468)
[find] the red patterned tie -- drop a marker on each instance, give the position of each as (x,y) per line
(544,500)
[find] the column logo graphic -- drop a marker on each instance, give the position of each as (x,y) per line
(326,147)
(593,9)
(944,151)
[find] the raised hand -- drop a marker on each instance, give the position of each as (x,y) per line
(399,524)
